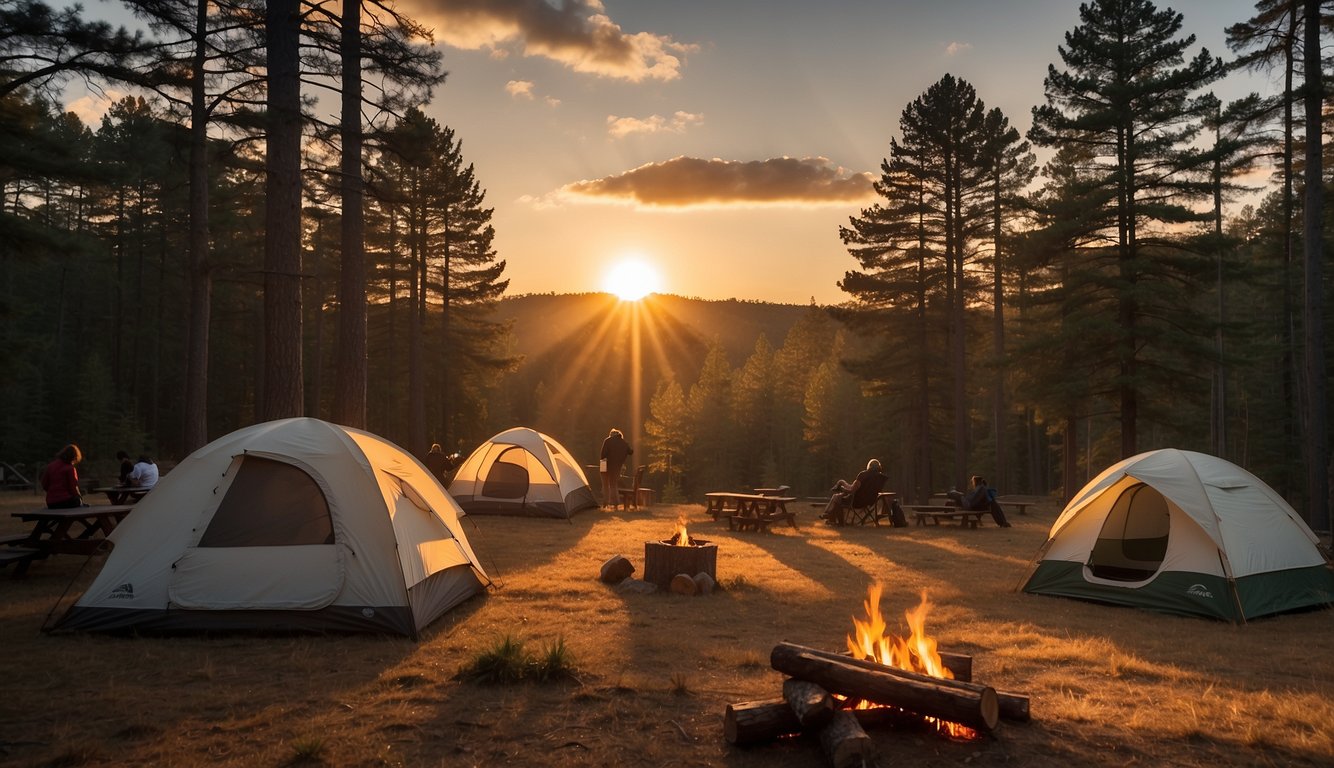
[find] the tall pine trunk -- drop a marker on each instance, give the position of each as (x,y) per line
(350,384)
(195,432)
(1313,317)
(283,386)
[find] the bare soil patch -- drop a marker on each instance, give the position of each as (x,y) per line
(1109,686)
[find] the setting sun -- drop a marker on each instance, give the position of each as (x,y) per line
(632,280)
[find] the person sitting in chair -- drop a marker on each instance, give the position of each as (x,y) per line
(982,498)
(861,492)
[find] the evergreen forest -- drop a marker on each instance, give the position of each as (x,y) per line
(1030,297)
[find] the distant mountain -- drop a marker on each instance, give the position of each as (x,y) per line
(546,321)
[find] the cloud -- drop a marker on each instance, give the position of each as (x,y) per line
(91,107)
(620,127)
(578,35)
(519,89)
(957,47)
(688,182)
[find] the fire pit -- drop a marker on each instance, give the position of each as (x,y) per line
(681,553)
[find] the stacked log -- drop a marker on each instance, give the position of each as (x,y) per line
(905,699)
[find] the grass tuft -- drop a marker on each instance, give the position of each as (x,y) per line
(508,661)
(306,751)
(679,684)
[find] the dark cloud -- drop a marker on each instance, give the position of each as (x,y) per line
(579,35)
(693,182)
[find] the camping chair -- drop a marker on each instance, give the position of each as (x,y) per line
(865,504)
(630,496)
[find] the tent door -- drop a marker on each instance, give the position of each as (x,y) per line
(269,544)
(1133,540)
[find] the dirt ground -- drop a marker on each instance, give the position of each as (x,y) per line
(654,672)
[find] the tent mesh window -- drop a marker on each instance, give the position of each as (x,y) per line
(270,504)
(508,476)
(1133,539)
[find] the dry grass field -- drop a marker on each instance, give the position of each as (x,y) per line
(653,673)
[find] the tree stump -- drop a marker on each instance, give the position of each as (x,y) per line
(662,561)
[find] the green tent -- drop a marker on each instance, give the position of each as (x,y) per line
(1187,533)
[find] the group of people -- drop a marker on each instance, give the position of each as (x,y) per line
(865,488)
(60,477)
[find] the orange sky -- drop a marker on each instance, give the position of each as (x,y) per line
(723,142)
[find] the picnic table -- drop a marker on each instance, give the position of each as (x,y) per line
(933,514)
(749,510)
(122,494)
(77,531)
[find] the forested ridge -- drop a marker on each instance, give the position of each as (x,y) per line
(1030,297)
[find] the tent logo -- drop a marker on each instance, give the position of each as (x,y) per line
(123,592)
(1199,590)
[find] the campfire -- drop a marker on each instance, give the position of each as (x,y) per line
(671,562)
(883,680)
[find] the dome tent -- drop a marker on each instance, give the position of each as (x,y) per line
(1187,533)
(295,524)
(521,472)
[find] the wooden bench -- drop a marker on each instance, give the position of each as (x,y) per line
(1022,502)
(20,557)
(746,523)
(932,514)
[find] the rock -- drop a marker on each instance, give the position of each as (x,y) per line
(615,570)
(705,583)
(637,586)
(683,584)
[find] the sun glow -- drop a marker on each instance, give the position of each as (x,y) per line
(632,280)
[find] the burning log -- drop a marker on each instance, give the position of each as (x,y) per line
(812,704)
(968,704)
(846,743)
(960,665)
(760,722)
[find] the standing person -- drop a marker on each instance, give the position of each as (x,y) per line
(126,467)
(144,474)
(615,450)
(437,462)
(981,498)
(60,479)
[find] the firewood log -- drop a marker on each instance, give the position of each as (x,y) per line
(812,704)
(683,584)
(1013,706)
(616,570)
(845,743)
(758,722)
(969,704)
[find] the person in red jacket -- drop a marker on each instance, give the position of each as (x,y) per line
(60,479)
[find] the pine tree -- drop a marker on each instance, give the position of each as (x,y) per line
(1127,97)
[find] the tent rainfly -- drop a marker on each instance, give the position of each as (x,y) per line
(1186,533)
(296,524)
(521,472)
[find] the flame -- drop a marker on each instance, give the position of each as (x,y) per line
(917,653)
(680,538)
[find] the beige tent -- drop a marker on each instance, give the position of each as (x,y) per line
(521,472)
(1183,532)
(292,524)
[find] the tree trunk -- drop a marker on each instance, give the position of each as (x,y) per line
(350,384)
(195,428)
(282,215)
(1313,318)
